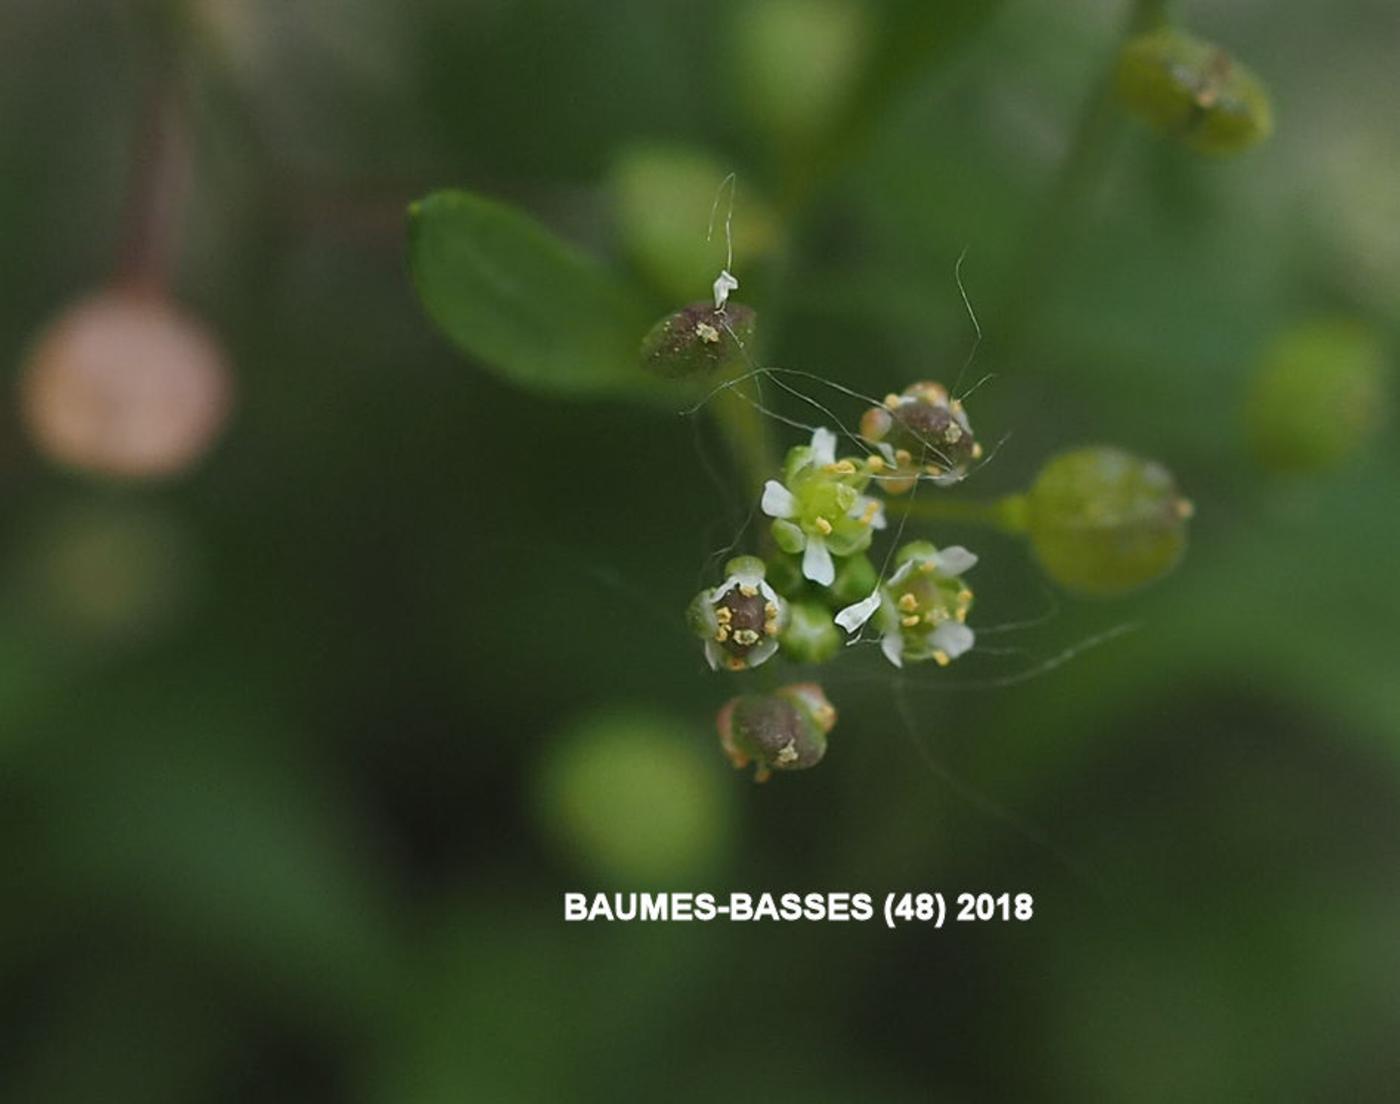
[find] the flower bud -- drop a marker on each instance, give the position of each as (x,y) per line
(811,635)
(785,730)
(1194,91)
(921,433)
(1318,396)
(1103,521)
(124,384)
(740,620)
(855,578)
(699,341)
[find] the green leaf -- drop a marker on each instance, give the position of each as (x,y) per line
(520,301)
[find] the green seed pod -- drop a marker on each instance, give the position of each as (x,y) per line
(1319,395)
(698,341)
(811,635)
(1194,91)
(1103,522)
(785,730)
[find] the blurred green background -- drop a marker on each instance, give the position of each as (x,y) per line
(299,752)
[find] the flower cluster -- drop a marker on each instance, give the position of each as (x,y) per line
(817,579)
(1099,520)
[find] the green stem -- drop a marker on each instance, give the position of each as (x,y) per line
(746,433)
(1079,174)
(1007,513)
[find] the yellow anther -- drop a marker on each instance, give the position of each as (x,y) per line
(745,637)
(953,434)
(770,628)
(788,752)
(940,657)
(936,616)
(840,467)
(770,609)
(902,456)
(1185,508)
(707,333)
(871,509)
(734,663)
(748,591)
(908,603)
(933,469)
(961,615)
(964,595)
(875,462)
(977,450)
(721,635)
(823,526)
(891,401)
(910,621)
(927,567)
(724,615)
(956,406)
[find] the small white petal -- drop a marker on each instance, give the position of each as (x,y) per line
(823,446)
(816,562)
(746,578)
(901,572)
(761,652)
(858,613)
(778,501)
(956,560)
(865,502)
(712,655)
(892,644)
(724,284)
(953,637)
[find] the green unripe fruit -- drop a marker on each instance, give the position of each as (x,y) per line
(630,796)
(1103,522)
(697,342)
(811,635)
(1319,395)
(855,578)
(1193,91)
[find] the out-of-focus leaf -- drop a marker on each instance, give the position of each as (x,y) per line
(520,301)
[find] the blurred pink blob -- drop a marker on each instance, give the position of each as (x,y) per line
(126,384)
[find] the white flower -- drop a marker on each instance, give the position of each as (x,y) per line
(821,507)
(921,608)
(741,619)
